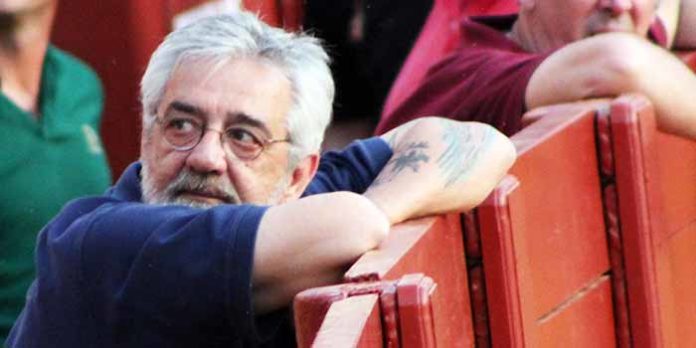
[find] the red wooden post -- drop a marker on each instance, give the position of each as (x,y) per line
(655,176)
(391,313)
(545,258)
(351,322)
(432,246)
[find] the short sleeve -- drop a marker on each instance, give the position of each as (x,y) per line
(352,169)
(134,269)
(473,84)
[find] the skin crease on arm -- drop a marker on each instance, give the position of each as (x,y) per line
(610,64)
(438,166)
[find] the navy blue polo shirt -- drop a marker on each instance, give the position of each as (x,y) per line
(115,272)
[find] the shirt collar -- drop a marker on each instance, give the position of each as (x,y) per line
(128,188)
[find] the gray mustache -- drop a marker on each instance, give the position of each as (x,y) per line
(192,182)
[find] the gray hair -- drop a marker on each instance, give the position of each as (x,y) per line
(243,35)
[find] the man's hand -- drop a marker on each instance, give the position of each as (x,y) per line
(308,242)
(440,165)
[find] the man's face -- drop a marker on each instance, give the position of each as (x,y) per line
(565,21)
(245,95)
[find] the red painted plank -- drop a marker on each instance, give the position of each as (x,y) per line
(557,207)
(352,322)
(576,323)
(408,314)
(656,196)
(542,229)
(310,308)
(416,313)
(501,280)
(432,246)
(676,277)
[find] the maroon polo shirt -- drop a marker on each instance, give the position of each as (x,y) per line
(483,80)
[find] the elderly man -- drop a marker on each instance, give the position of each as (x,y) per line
(558,51)
(50,109)
(230,212)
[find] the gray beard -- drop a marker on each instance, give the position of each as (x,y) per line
(189,181)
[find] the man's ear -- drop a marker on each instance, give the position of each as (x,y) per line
(301,176)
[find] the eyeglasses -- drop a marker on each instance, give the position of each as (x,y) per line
(246,143)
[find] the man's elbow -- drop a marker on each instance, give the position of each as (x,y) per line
(624,62)
(361,225)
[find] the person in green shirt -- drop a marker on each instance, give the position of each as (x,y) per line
(50,149)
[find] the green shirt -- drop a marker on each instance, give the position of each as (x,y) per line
(43,164)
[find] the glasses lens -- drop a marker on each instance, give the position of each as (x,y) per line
(181,132)
(244,143)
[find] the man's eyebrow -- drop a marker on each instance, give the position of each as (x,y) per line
(186,108)
(234,117)
(245,119)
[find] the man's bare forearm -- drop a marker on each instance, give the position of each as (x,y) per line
(308,242)
(609,65)
(440,165)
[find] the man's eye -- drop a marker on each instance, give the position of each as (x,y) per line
(242,136)
(181,125)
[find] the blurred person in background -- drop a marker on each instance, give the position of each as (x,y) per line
(51,152)
(557,51)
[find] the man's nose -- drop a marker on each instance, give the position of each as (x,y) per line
(616,7)
(208,156)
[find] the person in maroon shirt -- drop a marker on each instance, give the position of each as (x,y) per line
(557,51)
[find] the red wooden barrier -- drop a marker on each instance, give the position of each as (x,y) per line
(588,175)
(394,313)
(432,246)
(352,322)
(653,175)
(545,259)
